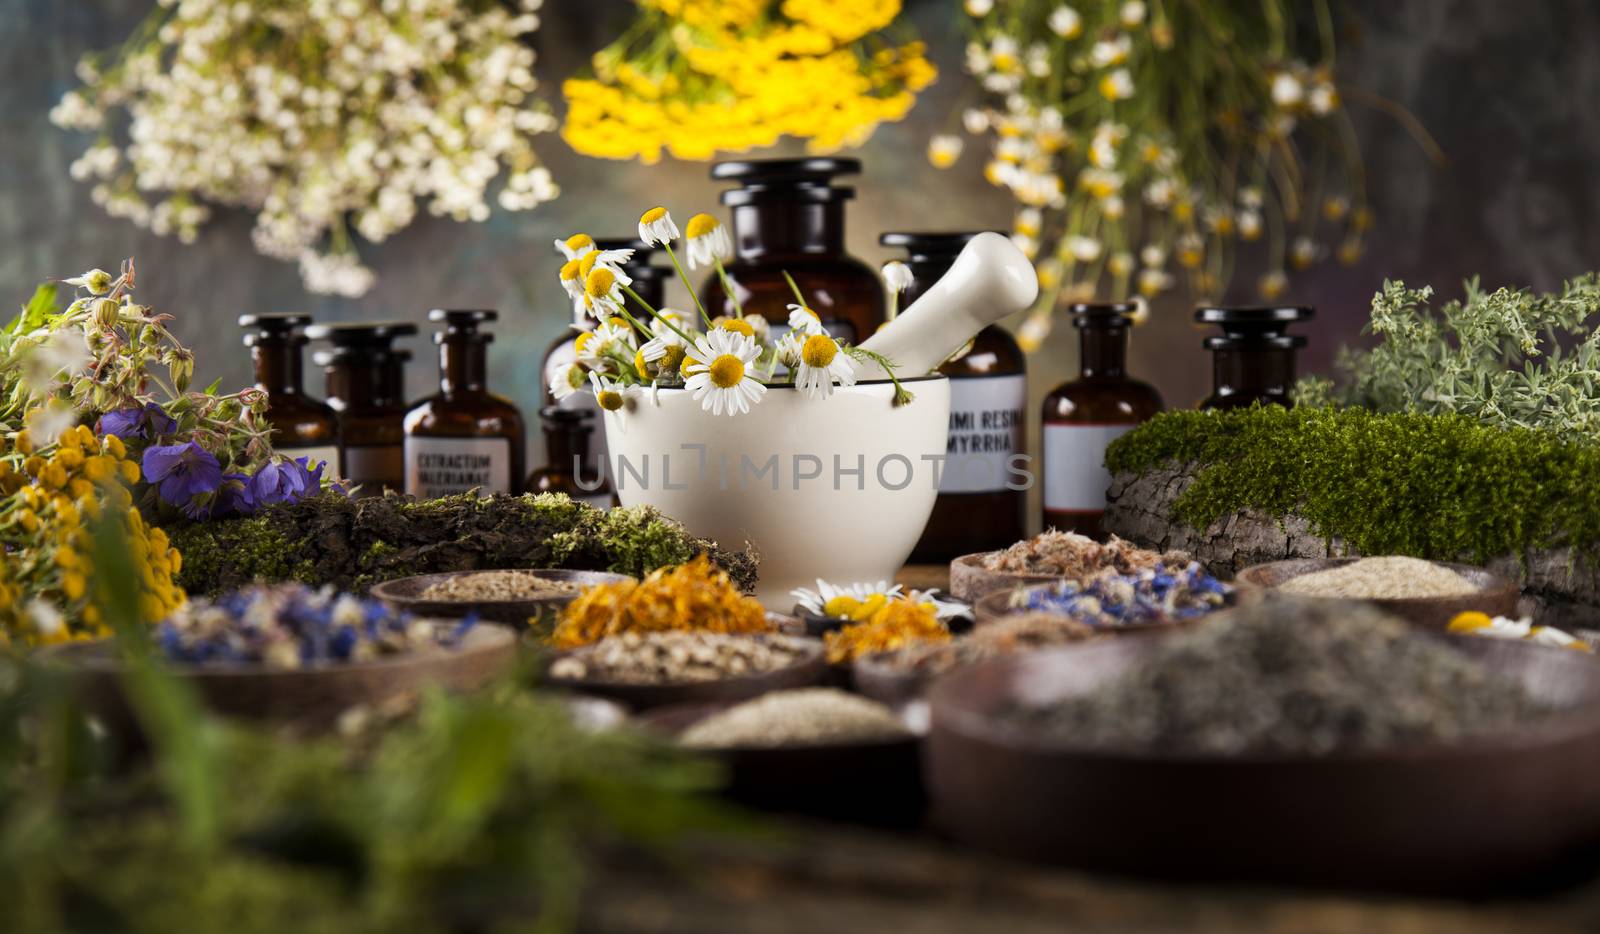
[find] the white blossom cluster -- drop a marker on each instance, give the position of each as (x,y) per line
(319,115)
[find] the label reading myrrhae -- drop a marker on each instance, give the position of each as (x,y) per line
(442,466)
(1075,475)
(986,419)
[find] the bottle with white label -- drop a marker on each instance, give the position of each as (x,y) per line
(365,379)
(568,469)
(301,426)
(982,504)
(464,438)
(1085,415)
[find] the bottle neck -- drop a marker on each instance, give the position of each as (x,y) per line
(568,448)
(367,384)
(1255,372)
(1103,353)
(463,366)
(782,227)
(278,368)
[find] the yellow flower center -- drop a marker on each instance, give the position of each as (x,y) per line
(600,282)
(586,263)
(700,225)
(640,363)
(841,607)
(578,242)
(726,371)
(688,361)
(571,271)
(610,400)
(818,351)
(582,341)
(737,326)
(576,378)
(652,215)
(674,359)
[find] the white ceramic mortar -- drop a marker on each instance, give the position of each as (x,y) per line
(716,473)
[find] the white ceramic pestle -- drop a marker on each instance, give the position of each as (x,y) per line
(989,280)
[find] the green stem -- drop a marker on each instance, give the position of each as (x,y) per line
(684,277)
(688,341)
(727,288)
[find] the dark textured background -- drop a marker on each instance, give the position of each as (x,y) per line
(1507,88)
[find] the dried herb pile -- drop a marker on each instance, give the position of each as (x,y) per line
(1291,676)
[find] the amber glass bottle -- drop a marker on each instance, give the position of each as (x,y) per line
(1254,359)
(788,217)
(301,426)
(365,379)
(975,511)
(1081,417)
(465,437)
(567,467)
(650,281)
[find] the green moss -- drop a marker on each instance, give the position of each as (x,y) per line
(1432,486)
(354,544)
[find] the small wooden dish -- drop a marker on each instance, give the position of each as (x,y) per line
(1000,604)
(310,698)
(811,670)
(1495,596)
(877,783)
(970,581)
(540,613)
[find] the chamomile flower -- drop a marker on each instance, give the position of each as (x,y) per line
(602,291)
(656,227)
(661,355)
(753,326)
(677,319)
(567,379)
(942,609)
(576,245)
(805,320)
(611,395)
(720,375)
(822,363)
(897,276)
(1117,85)
(572,279)
(943,150)
(855,602)
(606,259)
(708,241)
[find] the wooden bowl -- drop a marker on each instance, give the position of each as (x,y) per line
(999,604)
(1496,596)
(311,698)
(1483,814)
(872,677)
(812,669)
(540,613)
(878,783)
(970,580)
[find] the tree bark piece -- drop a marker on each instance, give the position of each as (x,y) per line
(1561,586)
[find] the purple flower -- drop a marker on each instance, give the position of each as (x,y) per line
(285,481)
(235,497)
(149,423)
(184,471)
